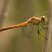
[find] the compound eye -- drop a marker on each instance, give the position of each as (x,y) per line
(42,18)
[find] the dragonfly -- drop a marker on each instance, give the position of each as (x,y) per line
(33,20)
(27,26)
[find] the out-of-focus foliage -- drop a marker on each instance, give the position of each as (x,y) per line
(19,11)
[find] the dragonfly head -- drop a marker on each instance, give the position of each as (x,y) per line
(44,19)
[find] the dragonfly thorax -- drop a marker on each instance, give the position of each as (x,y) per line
(34,20)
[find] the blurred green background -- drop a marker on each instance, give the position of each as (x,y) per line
(16,40)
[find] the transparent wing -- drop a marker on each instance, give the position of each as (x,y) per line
(28,32)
